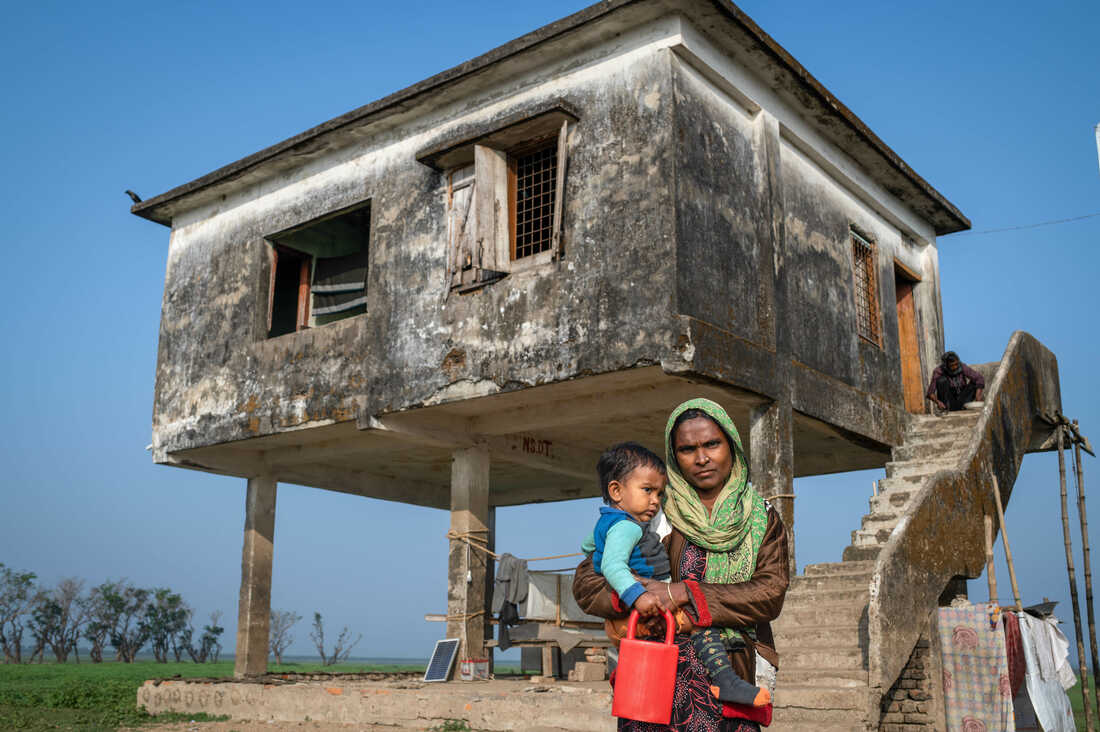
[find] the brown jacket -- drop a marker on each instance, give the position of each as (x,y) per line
(757,601)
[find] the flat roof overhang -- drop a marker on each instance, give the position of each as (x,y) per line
(721,20)
(543,441)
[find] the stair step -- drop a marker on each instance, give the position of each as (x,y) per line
(920,450)
(827,594)
(896,499)
(808,611)
(873,523)
(791,638)
(900,483)
(834,658)
(919,468)
(883,504)
(796,718)
(861,553)
(834,568)
(938,427)
(785,724)
(824,679)
(875,537)
(847,715)
(851,582)
(966,415)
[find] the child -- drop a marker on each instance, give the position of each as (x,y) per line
(632,480)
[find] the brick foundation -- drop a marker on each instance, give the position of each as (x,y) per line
(915,701)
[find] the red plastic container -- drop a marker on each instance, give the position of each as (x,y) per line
(646,675)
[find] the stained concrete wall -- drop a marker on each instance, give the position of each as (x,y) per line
(705,229)
(605,307)
(764,213)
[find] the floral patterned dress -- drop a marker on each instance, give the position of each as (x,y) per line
(694,708)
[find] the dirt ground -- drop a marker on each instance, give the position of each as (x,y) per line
(244,726)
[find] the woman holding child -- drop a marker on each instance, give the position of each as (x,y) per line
(729,572)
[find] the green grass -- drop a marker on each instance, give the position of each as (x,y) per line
(103,696)
(1078,710)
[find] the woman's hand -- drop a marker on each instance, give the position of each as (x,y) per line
(671,596)
(648,605)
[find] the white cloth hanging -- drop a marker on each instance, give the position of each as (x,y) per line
(1043,682)
(1059,645)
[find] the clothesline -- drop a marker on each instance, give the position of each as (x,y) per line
(471,538)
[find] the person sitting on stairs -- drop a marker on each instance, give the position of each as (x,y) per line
(954,384)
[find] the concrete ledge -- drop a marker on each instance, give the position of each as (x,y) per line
(400,702)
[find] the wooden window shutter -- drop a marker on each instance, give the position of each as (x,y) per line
(559,190)
(461,223)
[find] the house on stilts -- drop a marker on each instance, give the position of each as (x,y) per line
(478,282)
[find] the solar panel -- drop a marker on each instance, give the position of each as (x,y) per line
(443,660)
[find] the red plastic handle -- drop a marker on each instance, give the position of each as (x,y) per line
(670,626)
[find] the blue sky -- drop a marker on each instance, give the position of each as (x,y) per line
(994,104)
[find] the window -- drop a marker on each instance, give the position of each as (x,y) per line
(866,291)
(319,274)
(504,197)
(532,180)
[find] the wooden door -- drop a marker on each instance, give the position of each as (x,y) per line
(909,345)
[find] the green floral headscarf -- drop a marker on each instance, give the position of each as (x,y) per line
(732,532)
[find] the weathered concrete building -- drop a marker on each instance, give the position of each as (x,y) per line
(480,281)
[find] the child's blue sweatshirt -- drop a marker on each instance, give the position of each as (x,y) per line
(622,545)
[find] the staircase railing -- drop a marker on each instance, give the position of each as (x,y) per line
(941,535)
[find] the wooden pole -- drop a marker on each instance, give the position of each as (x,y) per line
(1087,702)
(1080,472)
(1008,549)
(990,573)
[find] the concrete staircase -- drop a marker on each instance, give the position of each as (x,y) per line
(821,639)
(931,444)
(822,634)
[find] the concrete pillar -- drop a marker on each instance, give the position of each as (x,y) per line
(254,609)
(466,566)
(771,450)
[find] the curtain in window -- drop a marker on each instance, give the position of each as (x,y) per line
(340,283)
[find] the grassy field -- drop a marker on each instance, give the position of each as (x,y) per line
(102,696)
(1075,701)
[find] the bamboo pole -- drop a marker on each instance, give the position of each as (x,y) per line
(1080,481)
(1086,701)
(1008,549)
(990,573)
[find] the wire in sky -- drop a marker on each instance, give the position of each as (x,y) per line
(1029,226)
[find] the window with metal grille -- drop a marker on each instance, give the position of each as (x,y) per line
(866,292)
(534,185)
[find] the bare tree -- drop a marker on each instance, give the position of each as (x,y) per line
(212,647)
(57,618)
(281,623)
(97,628)
(117,615)
(181,642)
(44,617)
(340,651)
(165,618)
(208,648)
(16,597)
